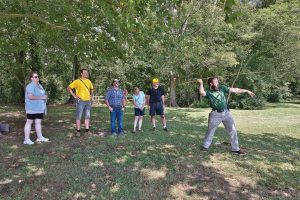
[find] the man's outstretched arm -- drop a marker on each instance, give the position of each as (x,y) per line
(240,91)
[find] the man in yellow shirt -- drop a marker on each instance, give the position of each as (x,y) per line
(84,94)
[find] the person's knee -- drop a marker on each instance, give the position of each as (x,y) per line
(37,121)
(29,121)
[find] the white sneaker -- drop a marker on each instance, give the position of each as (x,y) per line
(28,142)
(42,139)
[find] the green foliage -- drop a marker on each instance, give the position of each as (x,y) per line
(203,103)
(294,87)
(138,40)
(255,103)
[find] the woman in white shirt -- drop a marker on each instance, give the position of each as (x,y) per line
(139,108)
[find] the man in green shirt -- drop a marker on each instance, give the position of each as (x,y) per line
(220,113)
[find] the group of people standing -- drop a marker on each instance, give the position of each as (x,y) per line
(115,100)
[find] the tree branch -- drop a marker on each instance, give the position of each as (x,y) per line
(33,17)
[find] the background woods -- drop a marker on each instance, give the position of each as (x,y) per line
(253,42)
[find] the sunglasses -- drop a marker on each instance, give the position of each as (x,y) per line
(35,76)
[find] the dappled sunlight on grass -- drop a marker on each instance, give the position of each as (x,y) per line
(152,174)
(153,165)
(115,188)
(79,195)
(97,163)
(36,171)
(5,181)
(14,147)
(12,114)
(123,159)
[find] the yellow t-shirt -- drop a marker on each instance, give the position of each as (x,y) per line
(81,90)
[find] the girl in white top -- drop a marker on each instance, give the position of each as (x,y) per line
(139,108)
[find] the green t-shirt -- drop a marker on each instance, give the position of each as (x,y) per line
(217,99)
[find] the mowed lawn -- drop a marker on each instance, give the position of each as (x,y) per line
(153,165)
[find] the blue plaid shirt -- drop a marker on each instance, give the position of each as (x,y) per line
(115,97)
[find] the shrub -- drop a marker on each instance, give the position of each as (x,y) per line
(252,103)
(203,103)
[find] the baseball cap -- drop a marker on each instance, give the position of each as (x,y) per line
(155,80)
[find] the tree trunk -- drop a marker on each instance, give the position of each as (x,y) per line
(75,71)
(21,77)
(173,102)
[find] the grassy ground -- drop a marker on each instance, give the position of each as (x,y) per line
(153,165)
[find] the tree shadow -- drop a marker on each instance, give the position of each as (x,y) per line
(146,165)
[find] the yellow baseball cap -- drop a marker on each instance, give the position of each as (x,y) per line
(155,80)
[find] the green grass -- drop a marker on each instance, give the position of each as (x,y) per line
(153,165)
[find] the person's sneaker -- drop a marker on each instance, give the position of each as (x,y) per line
(42,139)
(113,134)
(154,128)
(204,149)
(239,152)
(28,142)
(133,131)
(166,129)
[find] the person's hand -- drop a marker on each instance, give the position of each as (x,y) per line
(123,108)
(200,81)
(251,93)
(110,109)
(148,107)
(76,97)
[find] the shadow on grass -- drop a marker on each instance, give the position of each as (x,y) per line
(146,165)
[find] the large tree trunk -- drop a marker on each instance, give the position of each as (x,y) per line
(173,102)
(75,72)
(20,76)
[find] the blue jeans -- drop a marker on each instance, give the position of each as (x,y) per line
(117,113)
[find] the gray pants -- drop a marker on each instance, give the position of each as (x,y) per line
(83,107)
(215,118)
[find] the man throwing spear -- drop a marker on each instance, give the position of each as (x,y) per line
(220,113)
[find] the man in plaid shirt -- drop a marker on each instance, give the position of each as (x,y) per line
(115,101)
